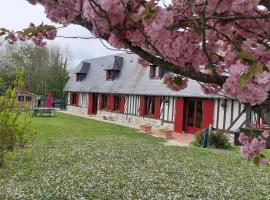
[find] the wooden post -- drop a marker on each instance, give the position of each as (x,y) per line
(248,115)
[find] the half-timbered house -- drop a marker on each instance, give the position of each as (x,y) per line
(119,88)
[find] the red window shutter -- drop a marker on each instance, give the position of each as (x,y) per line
(208,112)
(77,99)
(111,97)
(157,107)
(108,106)
(100,101)
(90,104)
(179,112)
(142,105)
(70,99)
(122,104)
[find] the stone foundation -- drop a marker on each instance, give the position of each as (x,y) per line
(134,121)
(77,110)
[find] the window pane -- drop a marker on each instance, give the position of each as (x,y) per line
(191,108)
(199,114)
(116,102)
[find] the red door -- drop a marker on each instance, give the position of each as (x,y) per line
(92,104)
(193,115)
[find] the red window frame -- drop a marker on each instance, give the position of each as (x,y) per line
(116,103)
(155,72)
(149,106)
(109,75)
(74,99)
(78,77)
(104,102)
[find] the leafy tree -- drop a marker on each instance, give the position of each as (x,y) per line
(45,69)
(15,120)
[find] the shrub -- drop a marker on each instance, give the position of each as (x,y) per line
(219,140)
(15,125)
(216,140)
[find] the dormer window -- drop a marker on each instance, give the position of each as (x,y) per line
(81,71)
(109,75)
(112,71)
(156,72)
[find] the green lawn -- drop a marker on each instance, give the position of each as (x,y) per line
(76,158)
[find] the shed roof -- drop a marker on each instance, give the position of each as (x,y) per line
(132,79)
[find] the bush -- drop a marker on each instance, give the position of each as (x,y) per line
(15,125)
(252,132)
(219,140)
(216,140)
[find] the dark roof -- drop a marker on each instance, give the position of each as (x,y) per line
(117,65)
(83,68)
(132,79)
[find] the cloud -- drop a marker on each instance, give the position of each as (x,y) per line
(17,14)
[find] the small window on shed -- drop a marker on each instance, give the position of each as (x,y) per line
(28,98)
(109,75)
(20,98)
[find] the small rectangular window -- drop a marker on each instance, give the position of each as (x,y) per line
(74,99)
(78,77)
(20,98)
(104,102)
(150,105)
(156,72)
(116,103)
(28,98)
(109,75)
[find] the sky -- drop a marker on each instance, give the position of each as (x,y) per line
(17,14)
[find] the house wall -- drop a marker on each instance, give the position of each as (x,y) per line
(226,111)
(227,115)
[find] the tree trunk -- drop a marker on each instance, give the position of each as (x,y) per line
(263,111)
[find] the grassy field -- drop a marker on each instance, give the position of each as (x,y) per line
(76,158)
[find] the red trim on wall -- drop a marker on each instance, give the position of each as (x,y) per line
(100,101)
(208,112)
(90,104)
(70,98)
(142,104)
(77,99)
(157,107)
(110,101)
(179,113)
(122,104)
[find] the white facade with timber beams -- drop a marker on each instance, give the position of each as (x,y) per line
(120,89)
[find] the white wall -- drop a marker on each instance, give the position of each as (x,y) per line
(232,109)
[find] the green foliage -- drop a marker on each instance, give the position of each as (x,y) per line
(45,69)
(15,120)
(246,56)
(219,140)
(216,139)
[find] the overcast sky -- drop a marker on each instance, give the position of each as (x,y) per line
(17,14)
